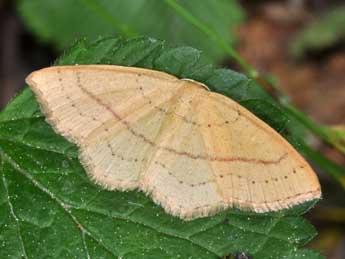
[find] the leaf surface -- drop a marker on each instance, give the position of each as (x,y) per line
(50,209)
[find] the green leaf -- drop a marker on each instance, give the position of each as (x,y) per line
(62,22)
(322,33)
(50,209)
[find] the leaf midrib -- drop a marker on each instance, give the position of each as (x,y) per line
(15,217)
(65,207)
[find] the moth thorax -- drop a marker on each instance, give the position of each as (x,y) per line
(197,83)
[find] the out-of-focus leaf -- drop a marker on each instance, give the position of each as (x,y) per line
(322,33)
(50,209)
(62,22)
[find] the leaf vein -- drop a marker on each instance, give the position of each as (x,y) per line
(63,205)
(13,214)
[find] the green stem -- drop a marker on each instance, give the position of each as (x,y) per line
(251,72)
(320,131)
(333,169)
(306,121)
(210,33)
(336,171)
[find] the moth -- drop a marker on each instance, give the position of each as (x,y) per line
(193,151)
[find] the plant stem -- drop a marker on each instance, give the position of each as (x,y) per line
(333,169)
(320,131)
(336,171)
(251,72)
(213,35)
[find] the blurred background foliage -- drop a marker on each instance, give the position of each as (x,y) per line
(51,21)
(296,47)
